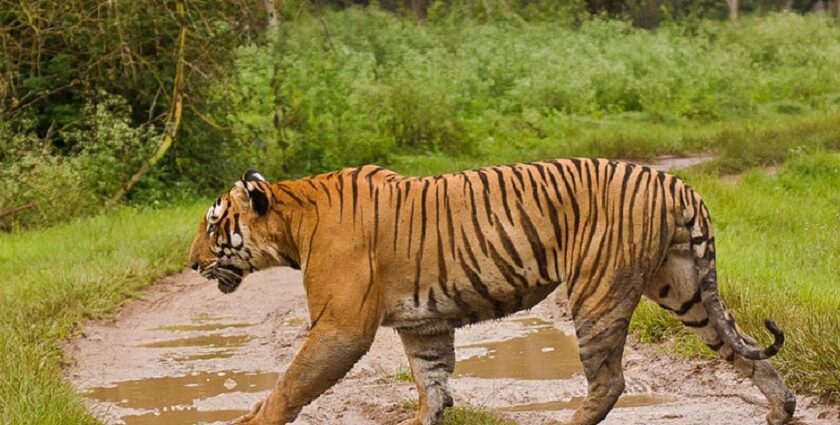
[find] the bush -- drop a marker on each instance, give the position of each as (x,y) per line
(107,150)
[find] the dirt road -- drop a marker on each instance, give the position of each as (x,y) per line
(188,353)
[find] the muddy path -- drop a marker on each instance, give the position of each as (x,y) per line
(189,354)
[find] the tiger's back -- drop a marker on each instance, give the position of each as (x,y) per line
(459,248)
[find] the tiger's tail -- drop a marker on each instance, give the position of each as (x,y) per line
(703,247)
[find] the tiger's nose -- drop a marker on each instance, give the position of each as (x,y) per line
(194,265)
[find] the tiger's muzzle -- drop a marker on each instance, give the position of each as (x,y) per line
(229,277)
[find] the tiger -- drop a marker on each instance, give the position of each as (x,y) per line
(428,255)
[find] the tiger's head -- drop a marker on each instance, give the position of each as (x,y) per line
(239,234)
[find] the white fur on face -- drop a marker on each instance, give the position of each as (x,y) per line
(236,240)
(214,213)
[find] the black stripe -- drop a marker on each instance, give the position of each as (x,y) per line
(555,222)
(508,244)
(486,192)
(683,309)
(450,226)
(478,233)
(354,187)
(534,240)
(340,188)
(291,194)
(397,217)
(715,346)
(478,285)
(696,323)
(508,272)
(327,191)
(503,189)
(423,203)
(534,192)
(431,301)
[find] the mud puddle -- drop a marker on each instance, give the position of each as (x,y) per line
(543,353)
(177,399)
(185,398)
(625,401)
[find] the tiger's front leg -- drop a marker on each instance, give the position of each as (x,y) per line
(340,335)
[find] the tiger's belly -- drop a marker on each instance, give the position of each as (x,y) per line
(437,309)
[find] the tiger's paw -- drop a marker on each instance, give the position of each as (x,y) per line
(250,418)
(783,415)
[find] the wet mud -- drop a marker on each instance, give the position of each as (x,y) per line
(189,354)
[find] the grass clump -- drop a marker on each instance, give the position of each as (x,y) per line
(464,415)
(403,374)
(57,277)
(778,256)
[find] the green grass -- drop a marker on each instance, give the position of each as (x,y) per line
(778,257)
(52,279)
(738,146)
(403,374)
(362,86)
(465,415)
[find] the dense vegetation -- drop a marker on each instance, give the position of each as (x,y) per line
(91,90)
(88,91)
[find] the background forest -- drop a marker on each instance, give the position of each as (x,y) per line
(120,119)
(93,91)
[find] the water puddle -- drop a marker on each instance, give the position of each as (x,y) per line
(212,341)
(544,353)
(171,399)
(625,401)
(209,355)
(187,398)
(203,327)
(189,416)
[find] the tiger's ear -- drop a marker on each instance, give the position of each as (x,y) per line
(256,186)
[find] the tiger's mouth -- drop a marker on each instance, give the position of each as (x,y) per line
(229,277)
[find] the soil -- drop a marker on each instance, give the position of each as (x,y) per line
(186,353)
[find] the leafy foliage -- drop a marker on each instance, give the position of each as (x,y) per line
(362,86)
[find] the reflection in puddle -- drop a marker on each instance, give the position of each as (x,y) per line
(188,416)
(545,353)
(213,340)
(210,355)
(627,400)
(203,327)
(170,392)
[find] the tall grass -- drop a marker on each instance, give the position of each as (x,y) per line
(55,278)
(778,257)
(365,86)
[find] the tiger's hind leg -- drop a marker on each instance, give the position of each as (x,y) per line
(432,360)
(675,287)
(601,323)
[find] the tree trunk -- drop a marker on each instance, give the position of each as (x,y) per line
(173,120)
(733,9)
(271,7)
